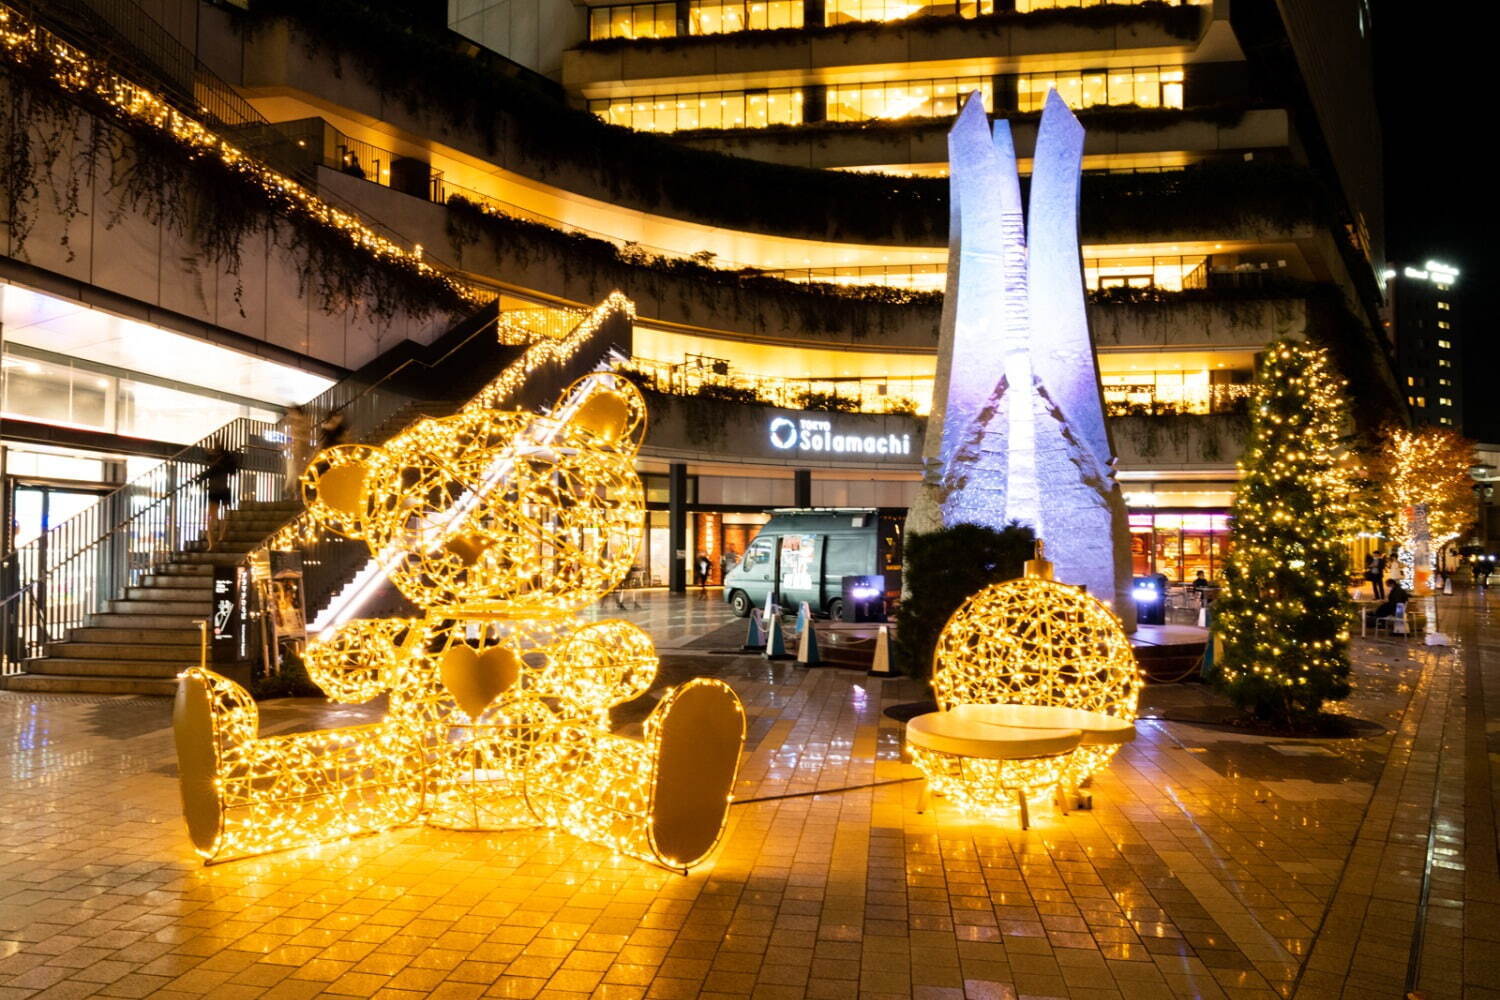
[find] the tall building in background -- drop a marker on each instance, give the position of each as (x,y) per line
(1424,321)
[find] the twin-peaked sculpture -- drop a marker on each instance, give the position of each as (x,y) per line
(1017,429)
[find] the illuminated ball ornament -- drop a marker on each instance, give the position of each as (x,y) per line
(1019,668)
(498,525)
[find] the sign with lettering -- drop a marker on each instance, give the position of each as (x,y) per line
(819,436)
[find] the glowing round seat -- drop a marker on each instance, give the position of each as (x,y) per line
(986,766)
(1096,729)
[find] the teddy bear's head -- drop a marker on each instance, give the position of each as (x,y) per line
(496,512)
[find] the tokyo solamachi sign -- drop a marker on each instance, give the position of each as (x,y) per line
(817,435)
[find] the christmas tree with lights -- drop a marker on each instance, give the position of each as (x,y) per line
(1283,615)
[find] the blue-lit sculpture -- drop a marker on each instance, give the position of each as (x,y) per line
(1017,429)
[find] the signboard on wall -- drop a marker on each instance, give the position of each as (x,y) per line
(822,436)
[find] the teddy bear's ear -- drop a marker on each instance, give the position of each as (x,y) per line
(613,411)
(337,486)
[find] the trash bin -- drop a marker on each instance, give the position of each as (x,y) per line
(864,598)
(1150,593)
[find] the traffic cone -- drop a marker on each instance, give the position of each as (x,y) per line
(804,615)
(881,665)
(807,645)
(770,605)
(775,641)
(755,636)
(1448,587)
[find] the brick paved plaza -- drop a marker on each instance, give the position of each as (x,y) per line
(1214,864)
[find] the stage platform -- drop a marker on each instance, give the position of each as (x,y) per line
(1169,653)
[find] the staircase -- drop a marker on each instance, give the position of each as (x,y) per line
(139,643)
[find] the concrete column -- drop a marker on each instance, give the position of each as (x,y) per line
(813,13)
(802,488)
(677,527)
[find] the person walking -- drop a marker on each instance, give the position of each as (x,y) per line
(702,570)
(298,445)
(219,463)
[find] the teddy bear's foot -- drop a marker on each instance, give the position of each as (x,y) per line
(664,798)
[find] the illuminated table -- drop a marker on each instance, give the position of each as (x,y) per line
(985,765)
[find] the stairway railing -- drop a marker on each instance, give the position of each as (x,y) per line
(57,580)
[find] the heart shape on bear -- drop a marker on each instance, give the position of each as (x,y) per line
(475,679)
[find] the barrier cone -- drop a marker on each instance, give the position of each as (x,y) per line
(755,636)
(804,615)
(1448,587)
(807,645)
(775,641)
(881,665)
(770,605)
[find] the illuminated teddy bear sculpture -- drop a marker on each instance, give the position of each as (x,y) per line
(500,526)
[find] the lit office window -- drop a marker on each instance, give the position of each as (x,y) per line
(1445,381)
(847,11)
(861,102)
(1444,325)
(1444,344)
(716,109)
(712,17)
(1444,401)
(1142,86)
(1443,305)
(1446,420)
(1444,363)
(641,20)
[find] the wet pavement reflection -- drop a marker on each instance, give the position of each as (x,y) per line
(1216,862)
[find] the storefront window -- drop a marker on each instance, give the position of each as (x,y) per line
(642,20)
(717,109)
(1172,273)
(711,17)
(1026,6)
(847,11)
(51,392)
(1161,393)
(1141,86)
(1178,545)
(859,102)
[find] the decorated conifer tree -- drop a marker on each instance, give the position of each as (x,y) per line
(1283,615)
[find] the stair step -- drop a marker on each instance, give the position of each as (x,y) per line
(151,636)
(200,607)
(176,653)
(169,592)
(216,558)
(113,620)
(53,666)
(178,569)
(83,684)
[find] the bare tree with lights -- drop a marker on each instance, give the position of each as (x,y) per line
(1427,467)
(1284,612)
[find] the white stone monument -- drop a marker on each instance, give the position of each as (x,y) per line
(1017,429)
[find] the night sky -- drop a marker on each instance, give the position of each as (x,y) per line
(1431,63)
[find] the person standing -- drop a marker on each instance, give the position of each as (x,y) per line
(1375,573)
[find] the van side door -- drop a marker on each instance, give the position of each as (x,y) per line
(801,573)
